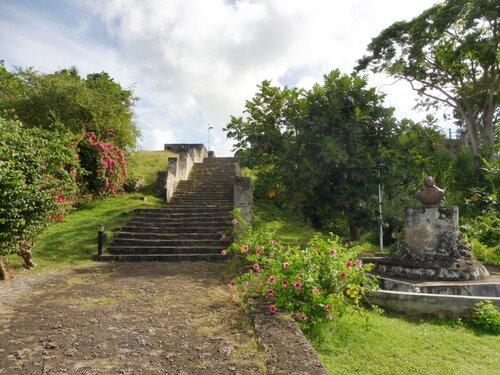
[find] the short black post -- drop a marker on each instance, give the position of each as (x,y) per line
(100,239)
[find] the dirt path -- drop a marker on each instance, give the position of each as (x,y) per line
(152,318)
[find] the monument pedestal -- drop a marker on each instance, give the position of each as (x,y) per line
(432,248)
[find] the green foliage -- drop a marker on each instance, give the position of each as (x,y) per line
(320,282)
(486,317)
(318,150)
(449,55)
(65,102)
(37,180)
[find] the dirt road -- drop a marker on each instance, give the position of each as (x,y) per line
(146,318)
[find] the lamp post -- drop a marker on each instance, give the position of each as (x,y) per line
(380,167)
(208,143)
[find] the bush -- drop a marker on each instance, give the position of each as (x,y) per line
(105,164)
(37,182)
(486,317)
(319,282)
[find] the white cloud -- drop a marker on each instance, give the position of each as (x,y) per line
(196,62)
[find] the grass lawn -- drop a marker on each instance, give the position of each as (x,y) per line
(391,344)
(74,240)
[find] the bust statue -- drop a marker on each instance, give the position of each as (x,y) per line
(430,194)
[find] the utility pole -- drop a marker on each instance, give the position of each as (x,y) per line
(380,167)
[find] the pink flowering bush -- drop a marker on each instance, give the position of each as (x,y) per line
(317,283)
(105,164)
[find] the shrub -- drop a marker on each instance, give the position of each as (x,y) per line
(105,164)
(486,317)
(319,282)
(37,182)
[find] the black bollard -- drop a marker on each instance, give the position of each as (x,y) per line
(100,239)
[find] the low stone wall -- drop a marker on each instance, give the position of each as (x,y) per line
(417,304)
(286,349)
(179,167)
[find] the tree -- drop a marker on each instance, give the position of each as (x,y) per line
(37,180)
(321,147)
(64,101)
(450,56)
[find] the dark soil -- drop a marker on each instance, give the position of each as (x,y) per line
(146,318)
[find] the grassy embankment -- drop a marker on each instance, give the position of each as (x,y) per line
(390,344)
(74,240)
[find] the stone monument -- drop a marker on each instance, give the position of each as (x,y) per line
(432,247)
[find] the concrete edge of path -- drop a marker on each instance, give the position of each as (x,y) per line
(286,349)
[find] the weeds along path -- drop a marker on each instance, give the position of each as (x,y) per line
(145,318)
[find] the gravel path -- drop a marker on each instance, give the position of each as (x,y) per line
(146,318)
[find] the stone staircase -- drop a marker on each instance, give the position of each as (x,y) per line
(189,227)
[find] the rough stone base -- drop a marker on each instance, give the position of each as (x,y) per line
(459,269)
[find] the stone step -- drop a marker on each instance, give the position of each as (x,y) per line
(174,209)
(177,215)
(174,243)
(180,223)
(181,235)
(218,229)
(160,258)
(132,249)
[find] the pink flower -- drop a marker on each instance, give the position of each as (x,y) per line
(272,279)
(284,284)
(349,264)
(273,242)
(223,252)
(270,293)
(245,248)
(333,252)
(343,275)
(302,317)
(110,131)
(232,283)
(61,200)
(234,221)
(256,267)
(286,265)
(259,250)
(329,316)
(328,308)
(316,291)
(297,285)
(271,255)
(360,263)
(272,309)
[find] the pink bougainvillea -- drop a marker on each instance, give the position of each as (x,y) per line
(105,163)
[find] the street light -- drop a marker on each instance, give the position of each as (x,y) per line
(208,143)
(380,167)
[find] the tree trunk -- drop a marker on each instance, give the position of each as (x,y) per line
(354,231)
(3,271)
(26,252)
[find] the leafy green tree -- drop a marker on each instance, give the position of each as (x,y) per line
(449,55)
(37,180)
(64,101)
(321,147)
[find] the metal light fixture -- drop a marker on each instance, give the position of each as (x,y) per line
(208,143)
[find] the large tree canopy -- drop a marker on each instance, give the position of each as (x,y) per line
(318,148)
(450,55)
(64,101)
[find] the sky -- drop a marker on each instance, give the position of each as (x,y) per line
(194,63)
